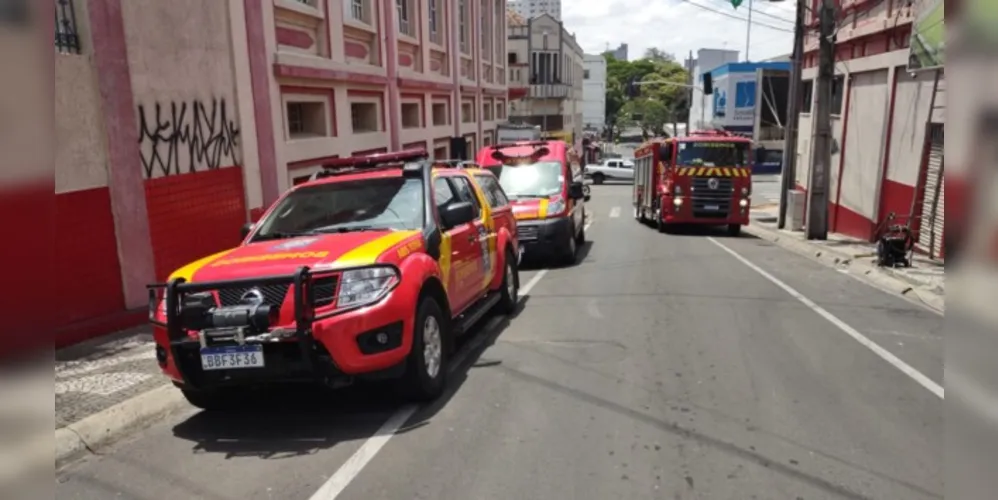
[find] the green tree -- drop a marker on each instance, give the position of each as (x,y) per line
(663,95)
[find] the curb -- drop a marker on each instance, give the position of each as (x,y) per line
(832,258)
(105,426)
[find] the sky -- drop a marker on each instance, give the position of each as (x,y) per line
(679,26)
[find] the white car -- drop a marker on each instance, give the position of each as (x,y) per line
(611,169)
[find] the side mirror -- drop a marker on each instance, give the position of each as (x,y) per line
(576,191)
(458,213)
(247,227)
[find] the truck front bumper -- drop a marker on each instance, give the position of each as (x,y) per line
(543,238)
(694,211)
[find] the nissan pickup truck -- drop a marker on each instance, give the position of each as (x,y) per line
(370,270)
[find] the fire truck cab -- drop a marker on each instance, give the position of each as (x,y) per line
(702,178)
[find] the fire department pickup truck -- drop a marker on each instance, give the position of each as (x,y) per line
(368,271)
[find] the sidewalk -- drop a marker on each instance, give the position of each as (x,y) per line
(106,386)
(924,281)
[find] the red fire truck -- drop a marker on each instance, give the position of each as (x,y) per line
(702,178)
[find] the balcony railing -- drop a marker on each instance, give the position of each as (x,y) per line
(67,38)
(549,91)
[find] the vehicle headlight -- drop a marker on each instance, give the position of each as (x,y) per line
(556,206)
(360,287)
(676,190)
(744,191)
(677,201)
(743,203)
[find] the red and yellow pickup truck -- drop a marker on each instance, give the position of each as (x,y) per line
(368,271)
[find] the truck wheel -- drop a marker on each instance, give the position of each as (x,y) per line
(661,226)
(569,249)
(598,178)
(580,237)
(734,229)
(510,291)
(425,370)
(214,399)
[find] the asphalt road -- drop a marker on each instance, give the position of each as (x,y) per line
(661,366)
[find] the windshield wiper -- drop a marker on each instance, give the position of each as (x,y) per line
(347,229)
(277,235)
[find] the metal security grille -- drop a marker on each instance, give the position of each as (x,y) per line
(711,202)
(273,295)
(930,232)
(67,38)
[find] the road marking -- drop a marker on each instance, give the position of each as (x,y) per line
(916,375)
(104,384)
(614,212)
(350,469)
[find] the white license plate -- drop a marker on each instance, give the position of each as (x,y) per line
(232,357)
(711,207)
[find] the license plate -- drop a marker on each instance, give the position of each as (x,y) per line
(711,207)
(232,357)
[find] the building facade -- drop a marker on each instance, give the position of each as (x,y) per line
(887,126)
(593,92)
(175,128)
(533,8)
(546,77)
(620,53)
(702,107)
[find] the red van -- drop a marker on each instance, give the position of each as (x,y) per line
(547,193)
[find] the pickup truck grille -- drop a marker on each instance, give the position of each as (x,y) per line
(274,295)
(711,203)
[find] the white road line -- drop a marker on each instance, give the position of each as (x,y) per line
(350,469)
(614,212)
(916,375)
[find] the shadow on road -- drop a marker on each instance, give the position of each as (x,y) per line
(536,264)
(302,420)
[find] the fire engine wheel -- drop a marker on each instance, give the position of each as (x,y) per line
(215,399)
(510,291)
(661,226)
(734,229)
(426,370)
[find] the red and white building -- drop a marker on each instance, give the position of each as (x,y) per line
(880,162)
(178,121)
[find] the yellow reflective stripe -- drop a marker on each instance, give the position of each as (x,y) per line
(542,209)
(369,252)
(727,171)
(187,272)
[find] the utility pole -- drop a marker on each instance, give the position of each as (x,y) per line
(689,96)
(788,176)
(819,180)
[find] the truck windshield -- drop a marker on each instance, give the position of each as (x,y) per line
(713,154)
(393,203)
(530,180)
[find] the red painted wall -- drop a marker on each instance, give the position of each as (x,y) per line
(194,215)
(897,198)
(87,251)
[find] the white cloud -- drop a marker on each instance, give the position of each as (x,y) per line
(678,26)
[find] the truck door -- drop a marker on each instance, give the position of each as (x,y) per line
(478,257)
(461,244)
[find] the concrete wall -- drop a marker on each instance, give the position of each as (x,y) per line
(594,91)
(863,151)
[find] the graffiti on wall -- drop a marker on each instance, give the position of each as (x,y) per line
(185,137)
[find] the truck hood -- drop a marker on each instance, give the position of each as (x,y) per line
(282,257)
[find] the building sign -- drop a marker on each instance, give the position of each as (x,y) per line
(928,36)
(734,99)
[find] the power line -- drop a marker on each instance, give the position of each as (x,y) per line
(732,16)
(757,11)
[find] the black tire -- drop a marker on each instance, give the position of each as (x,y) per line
(598,178)
(580,237)
(661,226)
(214,399)
(569,249)
(734,229)
(418,384)
(509,295)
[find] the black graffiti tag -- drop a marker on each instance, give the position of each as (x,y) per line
(204,131)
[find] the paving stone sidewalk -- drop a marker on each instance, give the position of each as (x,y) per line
(927,275)
(93,376)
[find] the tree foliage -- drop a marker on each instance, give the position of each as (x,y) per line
(657,103)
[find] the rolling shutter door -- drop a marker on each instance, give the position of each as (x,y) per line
(930,234)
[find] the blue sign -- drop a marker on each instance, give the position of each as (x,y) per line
(745,94)
(720,102)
